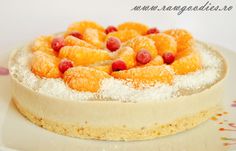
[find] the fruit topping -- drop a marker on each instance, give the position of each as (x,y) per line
(142,42)
(76,34)
(104,68)
(146,75)
(84,56)
(45,65)
(65,64)
(118,65)
(183,53)
(113,43)
(94,37)
(110,29)
(158,60)
(43,43)
(184,38)
(83,25)
(153,30)
(123,35)
(72,41)
(57,43)
(164,43)
(187,64)
(132,51)
(127,55)
(140,28)
(143,56)
(168,57)
(84,78)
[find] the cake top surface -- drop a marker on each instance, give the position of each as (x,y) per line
(130,62)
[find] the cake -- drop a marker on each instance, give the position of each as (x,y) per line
(129,82)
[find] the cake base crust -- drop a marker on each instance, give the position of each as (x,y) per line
(119,133)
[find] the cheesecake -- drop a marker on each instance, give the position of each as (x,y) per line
(126,82)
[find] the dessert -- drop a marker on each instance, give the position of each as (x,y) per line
(125,82)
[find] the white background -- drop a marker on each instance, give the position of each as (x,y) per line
(23,20)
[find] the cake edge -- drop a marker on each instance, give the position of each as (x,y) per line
(122,133)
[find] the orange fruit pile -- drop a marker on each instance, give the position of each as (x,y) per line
(89,53)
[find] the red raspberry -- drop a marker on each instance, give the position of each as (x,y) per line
(168,57)
(113,43)
(118,65)
(110,29)
(57,44)
(77,34)
(143,56)
(65,64)
(153,30)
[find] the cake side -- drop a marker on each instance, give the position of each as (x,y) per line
(102,113)
(120,133)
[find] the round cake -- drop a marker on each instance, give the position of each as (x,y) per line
(125,82)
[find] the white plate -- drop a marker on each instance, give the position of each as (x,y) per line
(18,133)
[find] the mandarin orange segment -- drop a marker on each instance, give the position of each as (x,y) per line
(45,65)
(83,25)
(164,43)
(146,75)
(128,55)
(158,60)
(84,78)
(183,37)
(83,56)
(73,41)
(142,42)
(187,64)
(123,35)
(104,68)
(140,28)
(94,37)
(43,43)
(183,53)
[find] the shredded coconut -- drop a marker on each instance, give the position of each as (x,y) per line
(119,90)
(197,79)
